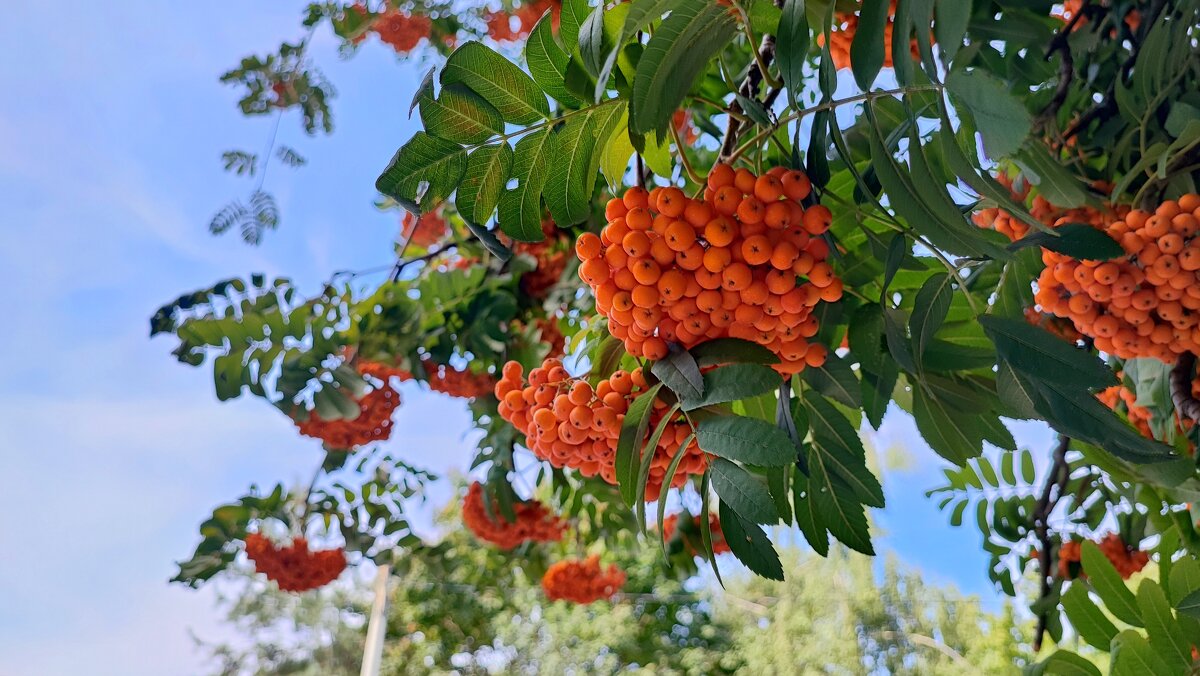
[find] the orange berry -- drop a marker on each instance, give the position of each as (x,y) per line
(720,176)
(588,246)
(736,277)
(796,185)
(768,188)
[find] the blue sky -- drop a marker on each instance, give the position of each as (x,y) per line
(110,134)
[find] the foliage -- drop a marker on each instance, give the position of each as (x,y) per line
(911,260)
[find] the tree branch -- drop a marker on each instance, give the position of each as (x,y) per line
(1052,491)
(764,56)
(1186,404)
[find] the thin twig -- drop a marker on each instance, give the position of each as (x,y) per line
(1052,491)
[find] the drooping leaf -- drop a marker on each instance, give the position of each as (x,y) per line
(748,440)
(1162,628)
(1035,351)
(680,373)
(520,209)
(1109,586)
(1087,618)
(459,115)
(488,169)
(426,170)
(548,62)
(576,162)
(835,379)
(733,382)
(499,81)
(742,492)
(867,46)
(791,47)
(732,351)
(1077,240)
(930,308)
(749,544)
(1001,119)
(629,444)
(807,518)
(679,51)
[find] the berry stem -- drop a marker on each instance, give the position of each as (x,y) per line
(1052,491)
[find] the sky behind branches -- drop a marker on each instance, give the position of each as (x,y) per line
(111,129)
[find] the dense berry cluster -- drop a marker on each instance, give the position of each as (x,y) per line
(374,421)
(533,521)
(571,424)
(1143,304)
(1041,209)
(744,262)
(842,36)
(1126,559)
(295,568)
(1118,397)
(506,27)
(719,545)
(402,31)
(449,380)
(582,582)
(425,230)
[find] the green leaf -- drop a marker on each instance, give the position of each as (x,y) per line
(633,432)
(844,516)
(1163,630)
(576,162)
(897,249)
(807,518)
(950,25)
(1001,119)
(499,81)
(459,115)
(425,170)
(1053,181)
(1064,663)
(732,351)
(953,435)
(572,16)
(488,169)
(877,393)
(791,47)
(748,440)
(865,335)
(680,373)
(591,41)
(1077,240)
(984,184)
(1037,353)
(955,236)
(1190,604)
(749,544)
(866,49)
(639,14)
(1014,293)
(548,63)
(835,379)
(930,308)
(1109,586)
(520,214)
(1133,656)
(614,159)
(837,446)
(1087,618)
(678,53)
(742,492)
(734,382)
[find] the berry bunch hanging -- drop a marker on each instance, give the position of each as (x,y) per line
(533,521)
(570,424)
(373,422)
(401,30)
(744,262)
(425,230)
(508,27)
(295,568)
(582,582)
(550,256)
(1125,558)
(1144,304)
(449,380)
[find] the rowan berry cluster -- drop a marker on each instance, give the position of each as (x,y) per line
(373,423)
(1126,559)
(1143,304)
(1041,209)
(533,521)
(745,262)
(295,568)
(570,424)
(1117,396)
(719,545)
(464,384)
(402,31)
(505,27)
(582,582)
(845,24)
(550,254)
(425,230)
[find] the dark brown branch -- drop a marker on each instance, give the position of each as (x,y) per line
(1052,492)
(1186,403)
(749,89)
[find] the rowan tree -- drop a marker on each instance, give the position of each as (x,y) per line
(693,247)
